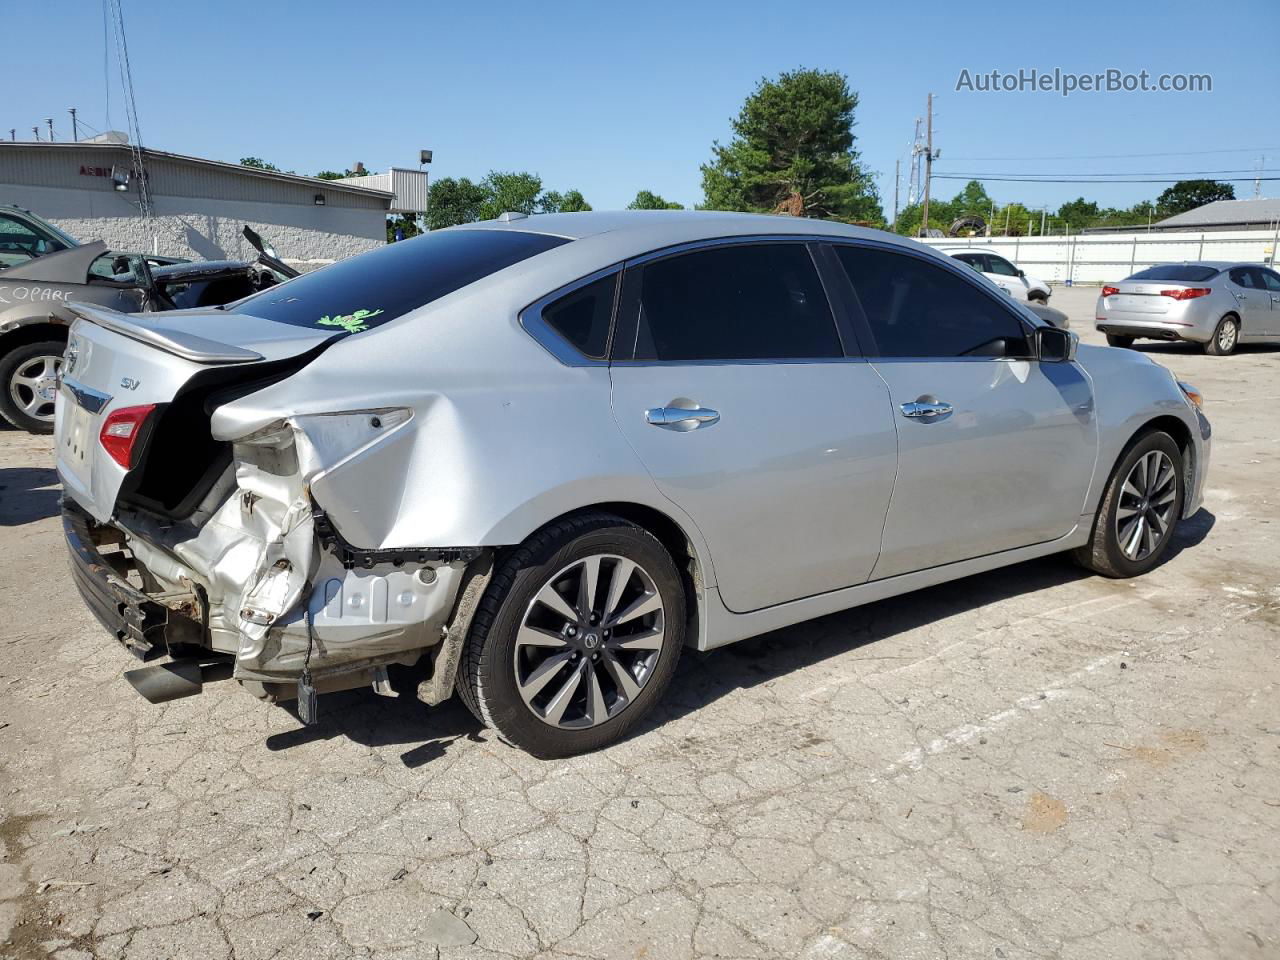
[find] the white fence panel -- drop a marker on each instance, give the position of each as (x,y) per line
(1105,257)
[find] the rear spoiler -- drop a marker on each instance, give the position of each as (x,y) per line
(188,346)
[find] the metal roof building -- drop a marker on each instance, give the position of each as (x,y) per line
(196,207)
(1260,213)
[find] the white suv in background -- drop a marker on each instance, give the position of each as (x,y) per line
(1005,275)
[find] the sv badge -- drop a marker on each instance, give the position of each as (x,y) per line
(129,383)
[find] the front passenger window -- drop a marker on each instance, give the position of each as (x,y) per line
(918,309)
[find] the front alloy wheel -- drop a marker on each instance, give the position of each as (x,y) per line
(1140,509)
(576,636)
(1144,513)
(29,385)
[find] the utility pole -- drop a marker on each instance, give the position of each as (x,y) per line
(13,133)
(49,121)
(1044,212)
(928,169)
(1257,181)
(75,133)
(897,178)
(36,131)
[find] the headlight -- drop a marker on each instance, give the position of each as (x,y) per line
(1191,393)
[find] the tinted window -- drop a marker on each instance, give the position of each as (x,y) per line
(918,309)
(1272,280)
(1187,272)
(582,317)
(1243,277)
(373,288)
(1002,266)
(754,302)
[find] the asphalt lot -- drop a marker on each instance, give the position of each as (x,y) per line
(1028,763)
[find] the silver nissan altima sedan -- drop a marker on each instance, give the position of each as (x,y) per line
(543,454)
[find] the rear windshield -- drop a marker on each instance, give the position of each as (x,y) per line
(1187,272)
(375,288)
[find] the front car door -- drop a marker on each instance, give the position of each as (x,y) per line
(1006,276)
(995,450)
(752,410)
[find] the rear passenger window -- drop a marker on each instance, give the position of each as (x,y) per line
(582,317)
(750,302)
(917,309)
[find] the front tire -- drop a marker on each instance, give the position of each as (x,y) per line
(1225,338)
(1118,340)
(1140,510)
(576,638)
(28,382)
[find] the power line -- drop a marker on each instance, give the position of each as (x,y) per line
(1126,173)
(1120,156)
(944,176)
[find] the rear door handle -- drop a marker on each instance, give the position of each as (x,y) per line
(926,408)
(681,418)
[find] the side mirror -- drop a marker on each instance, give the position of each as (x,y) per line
(1022,274)
(1055,345)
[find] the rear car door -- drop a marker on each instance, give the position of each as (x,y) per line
(995,450)
(1252,301)
(1271,280)
(755,414)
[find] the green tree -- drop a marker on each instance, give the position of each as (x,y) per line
(572,201)
(410,224)
(1080,213)
(1188,194)
(453,201)
(648,200)
(509,191)
(258,164)
(793,150)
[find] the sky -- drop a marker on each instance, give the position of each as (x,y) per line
(612,98)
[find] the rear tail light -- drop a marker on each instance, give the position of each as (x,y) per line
(120,432)
(1187,293)
(1108,291)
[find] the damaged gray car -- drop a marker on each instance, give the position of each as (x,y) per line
(42,270)
(538,456)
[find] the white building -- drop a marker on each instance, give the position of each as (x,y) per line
(198,207)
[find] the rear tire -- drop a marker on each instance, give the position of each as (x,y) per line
(26,384)
(1117,340)
(1140,510)
(1225,337)
(576,673)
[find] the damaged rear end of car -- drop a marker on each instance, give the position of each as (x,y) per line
(211,550)
(200,517)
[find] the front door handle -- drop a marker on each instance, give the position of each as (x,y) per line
(926,408)
(681,418)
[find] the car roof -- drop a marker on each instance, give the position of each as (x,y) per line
(674,226)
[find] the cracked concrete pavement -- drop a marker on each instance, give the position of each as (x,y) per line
(1028,763)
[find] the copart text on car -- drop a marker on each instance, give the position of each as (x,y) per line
(545,453)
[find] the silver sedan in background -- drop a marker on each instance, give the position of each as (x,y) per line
(543,454)
(1217,304)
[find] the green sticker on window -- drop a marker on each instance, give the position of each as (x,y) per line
(351,322)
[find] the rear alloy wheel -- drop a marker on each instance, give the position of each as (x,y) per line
(29,383)
(1140,510)
(1224,338)
(1118,340)
(576,638)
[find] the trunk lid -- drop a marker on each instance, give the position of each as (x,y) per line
(1143,296)
(116,360)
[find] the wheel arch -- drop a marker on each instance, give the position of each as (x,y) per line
(32,331)
(687,551)
(1176,428)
